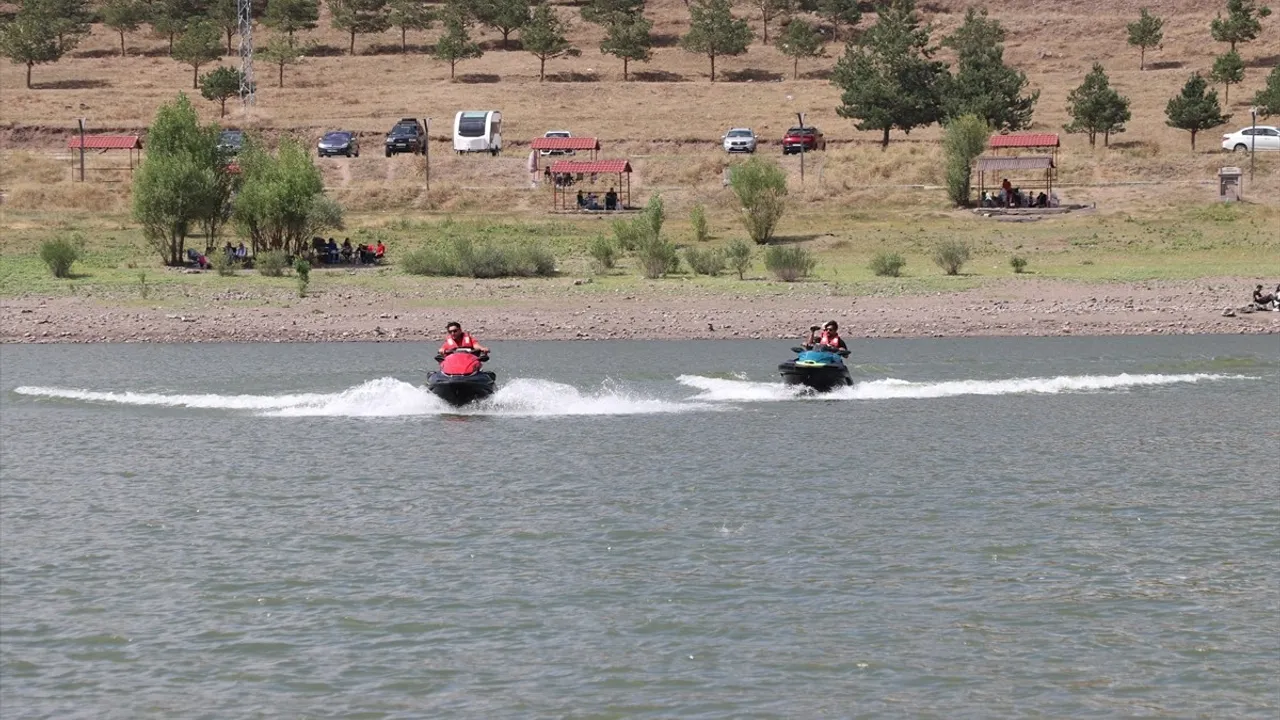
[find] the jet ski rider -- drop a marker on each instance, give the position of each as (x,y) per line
(830,336)
(456,339)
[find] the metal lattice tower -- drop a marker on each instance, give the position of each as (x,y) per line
(244,10)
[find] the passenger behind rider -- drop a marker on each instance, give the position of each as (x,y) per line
(455,339)
(829,336)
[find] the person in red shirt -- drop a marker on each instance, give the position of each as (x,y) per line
(456,339)
(830,336)
(380,250)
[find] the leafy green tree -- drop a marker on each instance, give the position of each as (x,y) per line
(1145,32)
(1228,69)
(1242,23)
(281,198)
(544,37)
(984,85)
(290,16)
(182,182)
(29,39)
(715,32)
(1095,107)
(1195,108)
(124,16)
(502,15)
(359,16)
(282,51)
(199,45)
(770,9)
(170,18)
(628,37)
(606,12)
(71,20)
(800,40)
(886,76)
(221,85)
(1268,98)
(226,15)
(761,187)
(963,140)
(410,15)
(455,44)
(839,13)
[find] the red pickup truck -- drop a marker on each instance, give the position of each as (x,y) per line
(803,139)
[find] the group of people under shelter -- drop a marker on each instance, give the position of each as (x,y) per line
(330,253)
(1012,197)
(591,201)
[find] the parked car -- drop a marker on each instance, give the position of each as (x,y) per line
(740,140)
(231,142)
(803,139)
(407,136)
(338,142)
(556,134)
(1262,137)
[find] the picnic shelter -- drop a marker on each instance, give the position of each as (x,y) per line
(104,143)
(562,144)
(571,176)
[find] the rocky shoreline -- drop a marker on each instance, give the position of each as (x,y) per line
(1017,307)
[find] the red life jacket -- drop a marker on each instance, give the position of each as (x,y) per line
(450,345)
(830,339)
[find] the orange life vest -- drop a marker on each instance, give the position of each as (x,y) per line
(450,345)
(830,339)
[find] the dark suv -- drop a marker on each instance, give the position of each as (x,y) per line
(407,136)
(803,139)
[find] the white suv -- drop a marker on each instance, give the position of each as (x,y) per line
(557,134)
(1262,137)
(740,140)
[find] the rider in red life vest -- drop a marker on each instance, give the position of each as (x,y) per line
(830,336)
(458,339)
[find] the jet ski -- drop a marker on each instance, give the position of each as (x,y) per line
(821,369)
(460,380)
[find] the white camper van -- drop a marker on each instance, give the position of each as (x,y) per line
(478,131)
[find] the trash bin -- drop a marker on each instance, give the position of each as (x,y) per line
(1230,180)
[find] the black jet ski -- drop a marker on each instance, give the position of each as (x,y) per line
(822,369)
(460,380)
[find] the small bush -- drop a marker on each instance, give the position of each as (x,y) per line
(657,258)
(61,254)
(738,256)
(1018,263)
(144,290)
(704,261)
(789,263)
(461,257)
(224,264)
(604,253)
(698,219)
(271,263)
(630,234)
(951,255)
(887,264)
(655,213)
(303,269)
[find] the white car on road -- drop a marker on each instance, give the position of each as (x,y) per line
(1261,137)
(740,140)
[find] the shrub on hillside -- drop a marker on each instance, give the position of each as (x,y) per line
(704,261)
(887,264)
(789,263)
(951,255)
(698,220)
(630,234)
(738,255)
(461,257)
(60,254)
(603,252)
(1018,263)
(657,257)
(223,263)
(761,187)
(271,263)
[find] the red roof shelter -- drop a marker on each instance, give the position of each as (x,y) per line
(568,173)
(567,143)
(1038,143)
(103,143)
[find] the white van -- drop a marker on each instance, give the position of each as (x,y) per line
(478,131)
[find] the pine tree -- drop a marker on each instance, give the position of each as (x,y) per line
(886,76)
(628,37)
(409,15)
(984,86)
(800,40)
(544,36)
(1228,69)
(715,32)
(1268,98)
(200,45)
(359,16)
(838,12)
(281,50)
(770,9)
(289,16)
(220,85)
(1195,108)
(1242,23)
(502,15)
(455,44)
(1145,32)
(1095,107)
(124,16)
(606,12)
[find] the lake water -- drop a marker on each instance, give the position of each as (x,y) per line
(979,528)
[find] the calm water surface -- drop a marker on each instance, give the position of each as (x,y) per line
(979,528)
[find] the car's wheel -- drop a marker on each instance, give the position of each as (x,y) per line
(388,152)
(1241,147)
(357,153)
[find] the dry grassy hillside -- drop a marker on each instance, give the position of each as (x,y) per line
(668,118)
